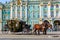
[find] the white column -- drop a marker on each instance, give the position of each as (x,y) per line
(21,11)
(26,12)
(54,10)
(40,12)
(1,14)
(16,10)
(49,10)
(40,15)
(59,12)
(11,11)
(0,19)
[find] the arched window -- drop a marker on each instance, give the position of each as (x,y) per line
(52,13)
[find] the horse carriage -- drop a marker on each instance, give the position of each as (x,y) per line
(17,26)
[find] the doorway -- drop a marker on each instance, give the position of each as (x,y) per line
(56,25)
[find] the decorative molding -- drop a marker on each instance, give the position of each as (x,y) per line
(0,8)
(0,21)
(41,5)
(49,4)
(18,2)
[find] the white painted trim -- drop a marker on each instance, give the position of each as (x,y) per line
(54,10)
(11,12)
(0,19)
(40,12)
(49,15)
(16,10)
(20,11)
(59,12)
(26,12)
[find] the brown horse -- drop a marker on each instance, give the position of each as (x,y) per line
(42,27)
(47,26)
(37,27)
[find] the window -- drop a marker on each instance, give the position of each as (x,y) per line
(36,11)
(57,9)
(45,6)
(52,13)
(52,10)
(57,5)
(45,11)
(18,8)
(23,12)
(56,13)
(52,6)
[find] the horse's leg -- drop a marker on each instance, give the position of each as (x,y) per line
(35,31)
(38,32)
(45,31)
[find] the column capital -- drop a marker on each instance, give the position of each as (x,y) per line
(41,4)
(11,4)
(19,2)
(49,3)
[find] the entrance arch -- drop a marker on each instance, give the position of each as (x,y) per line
(56,24)
(46,21)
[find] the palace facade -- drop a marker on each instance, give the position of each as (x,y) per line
(31,11)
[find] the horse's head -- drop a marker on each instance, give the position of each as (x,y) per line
(50,26)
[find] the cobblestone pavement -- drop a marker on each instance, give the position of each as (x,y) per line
(29,37)
(53,36)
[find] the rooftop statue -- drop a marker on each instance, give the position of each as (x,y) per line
(18,2)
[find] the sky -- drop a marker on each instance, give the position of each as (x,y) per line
(3,1)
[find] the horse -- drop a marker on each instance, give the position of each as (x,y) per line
(37,27)
(47,25)
(42,27)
